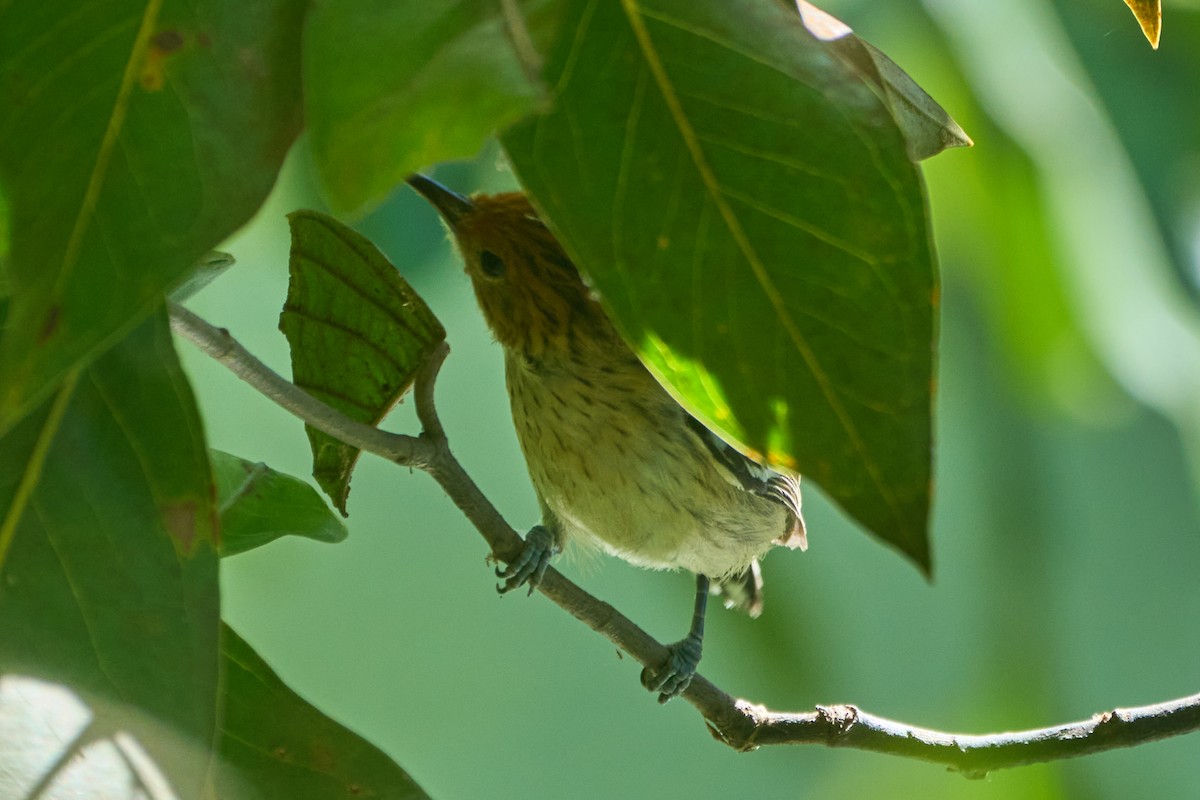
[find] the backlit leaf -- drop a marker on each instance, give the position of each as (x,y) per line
(258,505)
(422,83)
(357,331)
(1149,16)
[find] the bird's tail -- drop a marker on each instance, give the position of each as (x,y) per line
(742,590)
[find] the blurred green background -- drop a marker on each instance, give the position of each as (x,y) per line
(1065,526)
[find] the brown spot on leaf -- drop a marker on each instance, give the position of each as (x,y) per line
(180,520)
(167,41)
(49,324)
(152,77)
(251,63)
(322,758)
(162,46)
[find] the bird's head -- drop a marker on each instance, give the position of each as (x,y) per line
(532,296)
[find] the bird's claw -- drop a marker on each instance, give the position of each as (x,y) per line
(675,675)
(530,566)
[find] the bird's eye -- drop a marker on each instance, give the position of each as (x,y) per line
(491,264)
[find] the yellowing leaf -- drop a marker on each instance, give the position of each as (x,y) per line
(1149,16)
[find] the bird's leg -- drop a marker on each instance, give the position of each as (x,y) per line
(530,566)
(672,678)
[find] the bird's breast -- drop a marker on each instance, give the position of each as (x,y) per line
(614,465)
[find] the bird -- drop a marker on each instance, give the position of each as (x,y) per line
(616,462)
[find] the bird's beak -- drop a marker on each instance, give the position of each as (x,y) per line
(451,205)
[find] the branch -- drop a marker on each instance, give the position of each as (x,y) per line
(973,755)
(218,343)
(737,723)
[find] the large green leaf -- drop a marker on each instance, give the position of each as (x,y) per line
(136,135)
(275,745)
(357,333)
(108,565)
(422,83)
(258,505)
(746,208)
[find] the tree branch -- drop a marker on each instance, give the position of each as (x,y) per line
(737,723)
(218,343)
(973,755)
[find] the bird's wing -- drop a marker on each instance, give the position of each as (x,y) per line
(759,479)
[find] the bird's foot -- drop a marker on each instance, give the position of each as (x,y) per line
(530,566)
(676,673)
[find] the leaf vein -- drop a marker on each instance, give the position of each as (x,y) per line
(774,158)
(369,299)
(351,333)
(35,90)
(802,225)
(627,148)
(634,14)
(33,469)
(99,172)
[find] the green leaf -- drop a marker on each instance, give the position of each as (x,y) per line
(5,281)
(108,569)
(1149,16)
(258,505)
(747,210)
(274,744)
(927,127)
(424,82)
(136,135)
(357,331)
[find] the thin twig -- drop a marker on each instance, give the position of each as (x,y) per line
(737,723)
(423,383)
(218,343)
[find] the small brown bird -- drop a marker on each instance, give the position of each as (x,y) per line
(616,462)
